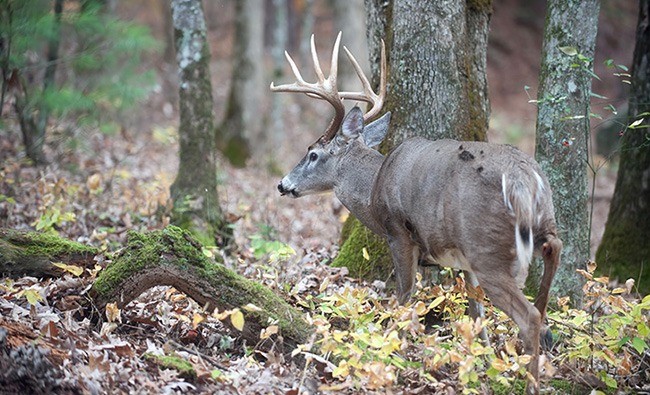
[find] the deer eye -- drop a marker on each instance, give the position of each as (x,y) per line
(313,156)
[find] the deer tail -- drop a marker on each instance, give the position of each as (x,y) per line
(520,198)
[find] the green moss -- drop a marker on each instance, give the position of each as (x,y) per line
(484,6)
(378,267)
(518,387)
(625,254)
(177,247)
(151,249)
(348,226)
(177,363)
(565,387)
(46,244)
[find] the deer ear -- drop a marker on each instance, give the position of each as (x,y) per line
(352,124)
(375,132)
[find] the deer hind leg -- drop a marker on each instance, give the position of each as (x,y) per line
(405,254)
(551,254)
(502,290)
(551,250)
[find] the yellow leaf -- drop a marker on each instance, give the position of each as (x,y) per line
(74,270)
(207,252)
(636,123)
(591,266)
(571,51)
(252,308)
(324,284)
(268,332)
(32,296)
(113,313)
(510,348)
(366,256)
(500,365)
(196,320)
(339,335)
(93,182)
(237,319)
(436,302)
(420,308)
(343,370)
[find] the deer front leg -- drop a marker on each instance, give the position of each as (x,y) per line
(476,307)
(405,256)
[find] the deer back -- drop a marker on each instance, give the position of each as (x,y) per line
(464,199)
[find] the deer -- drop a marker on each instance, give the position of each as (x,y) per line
(479,207)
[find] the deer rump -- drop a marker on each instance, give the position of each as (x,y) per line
(462,202)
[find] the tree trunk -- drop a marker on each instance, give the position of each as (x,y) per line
(437,89)
(240,133)
(625,251)
(350,18)
(194,192)
(33,128)
(563,128)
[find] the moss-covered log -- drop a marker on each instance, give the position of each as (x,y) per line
(173,257)
(25,253)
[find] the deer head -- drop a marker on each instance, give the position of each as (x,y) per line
(317,171)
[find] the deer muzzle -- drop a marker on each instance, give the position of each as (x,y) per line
(284,191)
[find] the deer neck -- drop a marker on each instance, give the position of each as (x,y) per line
(356,173)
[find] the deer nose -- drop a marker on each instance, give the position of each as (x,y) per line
(281,189)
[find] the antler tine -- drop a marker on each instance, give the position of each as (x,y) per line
(368,95)
(324,89)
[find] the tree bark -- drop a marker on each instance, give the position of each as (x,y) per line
(437,88)
(625,251)
(194,192)
(240,133)
(563,128)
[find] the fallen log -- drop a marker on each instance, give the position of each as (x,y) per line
(173,257)
(25,253)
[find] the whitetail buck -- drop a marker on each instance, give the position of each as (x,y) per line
(483,208)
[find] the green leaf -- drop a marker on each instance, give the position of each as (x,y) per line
(639,344)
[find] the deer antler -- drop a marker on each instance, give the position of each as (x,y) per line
(326,88)
(368,95)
